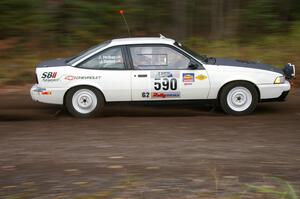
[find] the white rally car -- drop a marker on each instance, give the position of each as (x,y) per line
(156,69)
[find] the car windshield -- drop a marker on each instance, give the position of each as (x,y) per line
(82,54)
(202,58)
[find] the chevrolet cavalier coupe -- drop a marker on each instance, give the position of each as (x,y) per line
(156,69)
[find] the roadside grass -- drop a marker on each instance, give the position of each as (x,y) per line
(269,187)
(281,190)
(17,63)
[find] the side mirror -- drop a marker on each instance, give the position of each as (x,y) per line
(193,66)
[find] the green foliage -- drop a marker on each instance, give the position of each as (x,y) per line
(32,30)
(66,21)
(18,16)
(261,16)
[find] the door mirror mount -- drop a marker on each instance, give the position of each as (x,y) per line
(193,66)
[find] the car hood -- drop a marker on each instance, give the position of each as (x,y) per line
(53,63)
(245,64)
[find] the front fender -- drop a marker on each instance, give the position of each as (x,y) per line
(222,75)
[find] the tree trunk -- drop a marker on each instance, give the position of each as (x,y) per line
(232,18)
(179,23)
(217,19)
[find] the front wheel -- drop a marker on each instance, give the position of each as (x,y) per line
(84,101)
(238,98)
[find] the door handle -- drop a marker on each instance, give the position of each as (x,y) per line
(142,75)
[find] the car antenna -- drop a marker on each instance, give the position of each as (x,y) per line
(122,12)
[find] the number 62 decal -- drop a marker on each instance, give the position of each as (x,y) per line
(145,94)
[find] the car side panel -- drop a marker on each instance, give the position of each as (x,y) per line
(114,84)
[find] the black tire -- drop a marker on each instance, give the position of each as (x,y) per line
(249,106)
(94,112)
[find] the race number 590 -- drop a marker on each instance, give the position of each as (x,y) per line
(166,84)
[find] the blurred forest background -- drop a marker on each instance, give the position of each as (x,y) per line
(34,30)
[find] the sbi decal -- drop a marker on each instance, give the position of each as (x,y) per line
(49,75)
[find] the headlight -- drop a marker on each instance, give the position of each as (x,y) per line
(279,80)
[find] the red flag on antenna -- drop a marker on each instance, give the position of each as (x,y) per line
(122,12)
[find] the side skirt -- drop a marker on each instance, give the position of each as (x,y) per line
(210,102)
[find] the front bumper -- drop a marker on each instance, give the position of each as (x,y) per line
(47,95)
(281,98)
(274,92)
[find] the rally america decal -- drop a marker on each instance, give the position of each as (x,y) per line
(165,94)
(165,84)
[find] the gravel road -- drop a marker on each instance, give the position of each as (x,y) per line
(150,152)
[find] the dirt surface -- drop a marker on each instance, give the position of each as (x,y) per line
(185,151)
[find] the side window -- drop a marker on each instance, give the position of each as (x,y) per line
(157,57)
(111,58)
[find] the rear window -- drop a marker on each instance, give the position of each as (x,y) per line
(81,55)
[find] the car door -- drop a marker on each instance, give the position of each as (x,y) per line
(108,71)
(162,72)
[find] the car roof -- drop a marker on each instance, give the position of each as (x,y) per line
(142,40)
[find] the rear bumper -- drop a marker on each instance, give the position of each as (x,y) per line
(49,95)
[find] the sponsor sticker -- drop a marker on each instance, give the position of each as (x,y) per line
(38,89)
(50,77)
(108,59)
(156,75)
(188,77)
(43,91)
(46,93)
(165,94)
(53,77)
(72,77)
(201,77)
(160,75)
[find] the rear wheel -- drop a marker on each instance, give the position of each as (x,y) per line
(84,101)
(238,98)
